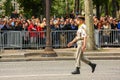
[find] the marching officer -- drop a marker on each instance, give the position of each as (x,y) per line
(81,39)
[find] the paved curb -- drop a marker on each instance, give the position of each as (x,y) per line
(64,54)
(53,59)
(58,58)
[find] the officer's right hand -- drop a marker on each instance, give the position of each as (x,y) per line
(69,44)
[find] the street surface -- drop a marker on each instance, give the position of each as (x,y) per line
(58,70)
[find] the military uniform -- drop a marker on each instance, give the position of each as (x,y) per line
(81,32)
(79,56)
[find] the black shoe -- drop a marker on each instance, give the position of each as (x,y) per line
(93,66)
(77,71)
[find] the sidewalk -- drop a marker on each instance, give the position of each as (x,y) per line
(63,54)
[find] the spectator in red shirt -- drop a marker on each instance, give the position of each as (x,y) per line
(32,32)
(41,34)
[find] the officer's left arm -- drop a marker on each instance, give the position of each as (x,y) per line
(84,44)
(72,42)
(84,35)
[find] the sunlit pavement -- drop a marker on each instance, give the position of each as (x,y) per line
(58,70)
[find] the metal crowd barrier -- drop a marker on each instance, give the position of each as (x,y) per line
(12,39)
(107,38)
(1,43)
(33,39)
(60,38)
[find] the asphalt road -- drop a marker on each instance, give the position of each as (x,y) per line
(58,70)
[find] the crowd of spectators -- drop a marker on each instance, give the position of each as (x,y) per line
(109,28)
(36,27)
(106,22)
(19,23)
(64,23)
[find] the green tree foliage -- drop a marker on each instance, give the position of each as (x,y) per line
(32,7)
(98,3)
(58,8)
(8,7)
(63,7)
(106,7)
(37,7)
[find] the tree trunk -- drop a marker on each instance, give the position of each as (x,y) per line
(67,7)
(49,52)
(43,4)
(98,11)
(118,10)
(77,6)
(114,8)
(89,23)
(106,9)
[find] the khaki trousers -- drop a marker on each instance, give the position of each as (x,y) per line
(79,56)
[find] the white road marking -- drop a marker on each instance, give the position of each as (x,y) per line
(37,75)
